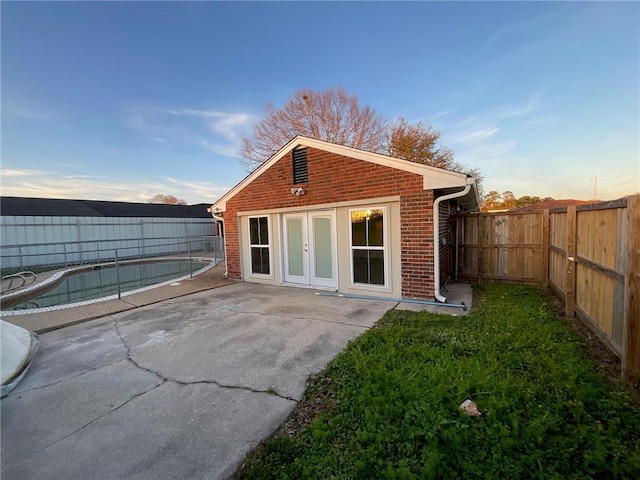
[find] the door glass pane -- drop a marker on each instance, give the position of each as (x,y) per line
(295,246)
(322,244)
(360,266)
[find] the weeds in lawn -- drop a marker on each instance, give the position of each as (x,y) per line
(392,402)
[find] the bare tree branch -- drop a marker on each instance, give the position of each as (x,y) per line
(166,199)
(332,115)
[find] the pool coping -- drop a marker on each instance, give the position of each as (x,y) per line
(54,319)
(34,290)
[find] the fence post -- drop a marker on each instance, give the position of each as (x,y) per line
(189,250)
(570,294)
(480,248)
(64,249)
(545,247)
(20,255)
(79,241)
(631,333)
(141,242)
(117,273)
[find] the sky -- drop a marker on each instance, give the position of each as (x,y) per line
(125,100)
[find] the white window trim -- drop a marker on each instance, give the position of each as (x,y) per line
(384,248)
(269,246)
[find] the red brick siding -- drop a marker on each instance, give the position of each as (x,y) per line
(336,178)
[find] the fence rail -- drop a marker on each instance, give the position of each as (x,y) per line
(110,261)
(587,255)
(46,256)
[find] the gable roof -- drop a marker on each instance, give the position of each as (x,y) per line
(433,178)
(62,207)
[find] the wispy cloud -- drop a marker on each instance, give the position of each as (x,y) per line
(50,184)
(231,124)
(485,139)
(475,134)
(528,31)
(217,131)
(11,172)
(482,139)
(29,114)
(518,110)
(27,109)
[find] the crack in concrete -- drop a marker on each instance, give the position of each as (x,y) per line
(291,316)
(18,392)
(194,382)
(270,391)
(163,379)
(115,323)
(99,417)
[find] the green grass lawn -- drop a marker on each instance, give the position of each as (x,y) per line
(388,406)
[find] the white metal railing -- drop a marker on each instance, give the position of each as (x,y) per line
(26,278)
(49,256)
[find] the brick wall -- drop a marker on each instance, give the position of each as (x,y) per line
(336,178)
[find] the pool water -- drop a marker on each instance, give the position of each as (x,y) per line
(104,282)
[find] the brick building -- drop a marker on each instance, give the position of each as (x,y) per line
(322,215)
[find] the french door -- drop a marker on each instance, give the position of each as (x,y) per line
(309,244)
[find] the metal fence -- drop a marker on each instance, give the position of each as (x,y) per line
(40,257)
(114,269)
(81,239)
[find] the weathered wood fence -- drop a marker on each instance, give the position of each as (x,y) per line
(587,255)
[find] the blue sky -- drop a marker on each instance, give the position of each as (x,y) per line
(124,100)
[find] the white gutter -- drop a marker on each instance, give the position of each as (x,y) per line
(436,238)
(218,218)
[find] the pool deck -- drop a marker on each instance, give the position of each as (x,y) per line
(54,319)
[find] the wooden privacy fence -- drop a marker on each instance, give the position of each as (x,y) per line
(587,255)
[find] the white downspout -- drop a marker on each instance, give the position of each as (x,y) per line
(436,238)
(218,218)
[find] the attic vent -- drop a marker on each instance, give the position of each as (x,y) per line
(300,171)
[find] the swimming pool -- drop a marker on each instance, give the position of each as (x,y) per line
(100,282)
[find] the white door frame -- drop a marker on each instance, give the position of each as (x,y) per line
(288,278)
(309,277)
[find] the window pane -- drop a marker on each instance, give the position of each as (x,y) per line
(294,246)
(375,228)
(253,231)
(264,231)
(359,227)
(360,266)
(376,267)
(322,242)
(260,260)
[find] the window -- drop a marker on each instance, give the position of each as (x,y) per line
(259,245)
(367,246)
(300,171)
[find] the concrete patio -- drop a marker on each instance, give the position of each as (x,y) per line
(180,388)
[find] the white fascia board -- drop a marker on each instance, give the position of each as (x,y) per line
(444,179)
(433,178)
